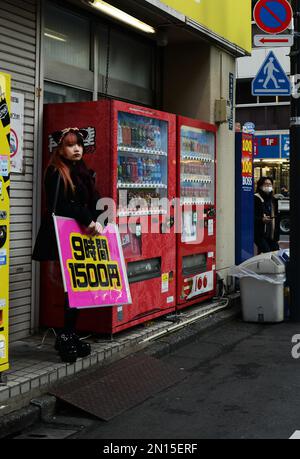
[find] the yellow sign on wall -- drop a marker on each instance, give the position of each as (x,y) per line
(4,215)
(231,19)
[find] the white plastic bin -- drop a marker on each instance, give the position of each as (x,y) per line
(262,281)
(261,300)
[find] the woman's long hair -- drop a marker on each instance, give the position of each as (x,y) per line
(57,159)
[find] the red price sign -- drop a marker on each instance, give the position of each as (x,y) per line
(247,152)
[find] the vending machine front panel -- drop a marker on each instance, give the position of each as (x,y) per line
(196,242)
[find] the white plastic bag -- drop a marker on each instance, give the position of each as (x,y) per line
(240,272)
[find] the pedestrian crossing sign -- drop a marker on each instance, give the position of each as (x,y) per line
(271,79)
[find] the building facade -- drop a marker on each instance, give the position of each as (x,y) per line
(66,51)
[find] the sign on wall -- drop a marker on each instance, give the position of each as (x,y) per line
(244,202)
(4,215)
(231,101)
(93,268)
(285,146)
(272,146)
(247,162)
(17,133)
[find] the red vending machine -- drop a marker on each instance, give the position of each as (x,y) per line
(196,242)
(132,149)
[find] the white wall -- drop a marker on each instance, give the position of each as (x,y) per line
(247,67)
(195,76)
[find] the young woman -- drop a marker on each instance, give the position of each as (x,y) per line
(266,222)
(70,192)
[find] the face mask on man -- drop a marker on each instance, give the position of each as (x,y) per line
(267,189)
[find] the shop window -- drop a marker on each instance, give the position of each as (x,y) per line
(66,37)
(131,59)
(55,93)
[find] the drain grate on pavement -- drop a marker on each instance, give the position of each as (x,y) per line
(46,433)
(107,392)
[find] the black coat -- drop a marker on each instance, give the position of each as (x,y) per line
(260,230)
(80,205)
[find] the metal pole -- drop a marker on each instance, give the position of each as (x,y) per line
(294,265)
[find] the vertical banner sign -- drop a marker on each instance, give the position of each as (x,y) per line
(247,162)
(4,215)
(244,198)
(231,100)
(17,133)
(93,268)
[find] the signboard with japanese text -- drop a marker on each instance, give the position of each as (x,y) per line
(272,146)
(244,202)
(231,101)
(4,216)
(93,268)
(285,146)
(17,133)
(247,162)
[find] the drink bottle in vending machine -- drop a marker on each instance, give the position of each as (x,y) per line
(133,152)
(196,185)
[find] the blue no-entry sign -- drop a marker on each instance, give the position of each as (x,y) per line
(271,79)
(273,16)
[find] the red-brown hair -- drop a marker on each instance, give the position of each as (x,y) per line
(59,164)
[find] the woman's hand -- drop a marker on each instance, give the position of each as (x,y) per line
(95,229)
(266,219)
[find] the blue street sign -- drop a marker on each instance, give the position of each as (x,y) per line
(271,79)
(285,146)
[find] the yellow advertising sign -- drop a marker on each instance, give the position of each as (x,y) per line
(230,19)
(4,215)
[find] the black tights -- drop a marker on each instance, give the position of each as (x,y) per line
(70,317)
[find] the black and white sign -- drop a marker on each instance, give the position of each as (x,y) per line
(17,133)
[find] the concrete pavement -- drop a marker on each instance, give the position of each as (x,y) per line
(35,366)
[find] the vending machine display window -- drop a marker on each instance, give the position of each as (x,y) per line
(142,162)
(197,170)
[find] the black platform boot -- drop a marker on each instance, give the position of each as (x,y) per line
(83,349)
(66,347)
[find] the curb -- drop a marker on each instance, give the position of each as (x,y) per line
(42,408)
(188,334)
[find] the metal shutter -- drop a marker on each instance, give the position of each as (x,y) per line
(18,58)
